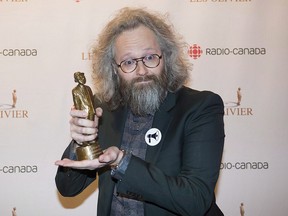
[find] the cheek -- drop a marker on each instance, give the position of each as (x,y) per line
(125,76)
(159,70)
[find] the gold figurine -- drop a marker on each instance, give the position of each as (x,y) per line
(82,97)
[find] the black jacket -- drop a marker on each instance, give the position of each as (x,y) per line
(178,176)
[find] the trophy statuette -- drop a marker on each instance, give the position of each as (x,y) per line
(82,98)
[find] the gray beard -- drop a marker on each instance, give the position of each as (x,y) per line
(144,99)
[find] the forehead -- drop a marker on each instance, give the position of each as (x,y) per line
(136,42)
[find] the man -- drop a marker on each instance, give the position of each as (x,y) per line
(162,141)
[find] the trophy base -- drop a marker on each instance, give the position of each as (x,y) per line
(88,152)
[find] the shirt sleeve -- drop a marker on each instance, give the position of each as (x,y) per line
(119,171)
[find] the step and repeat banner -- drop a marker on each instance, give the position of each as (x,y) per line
(239,50)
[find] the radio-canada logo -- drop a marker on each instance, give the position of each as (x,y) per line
(195,51)
(9,109)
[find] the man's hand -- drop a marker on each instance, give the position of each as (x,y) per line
(110,156)
(82,129)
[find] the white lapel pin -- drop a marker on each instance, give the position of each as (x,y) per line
(153,136)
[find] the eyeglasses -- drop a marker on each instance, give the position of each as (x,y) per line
(150,61)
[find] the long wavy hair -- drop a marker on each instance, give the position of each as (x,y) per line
(104,74)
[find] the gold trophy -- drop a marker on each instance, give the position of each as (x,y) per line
(82,98)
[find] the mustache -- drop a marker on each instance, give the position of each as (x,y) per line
(144,79)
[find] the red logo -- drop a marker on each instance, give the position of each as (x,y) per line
(195,51)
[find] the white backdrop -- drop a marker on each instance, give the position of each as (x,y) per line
(234,44)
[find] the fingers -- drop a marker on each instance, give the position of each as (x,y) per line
(78,113)
(80,138)
(83,129)
(79,117)
(84,123)
(112,155)
(99,111)
(63,162)
(84,164)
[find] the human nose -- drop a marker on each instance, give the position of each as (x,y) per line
(141,69)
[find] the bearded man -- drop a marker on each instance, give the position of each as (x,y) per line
(162,141)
